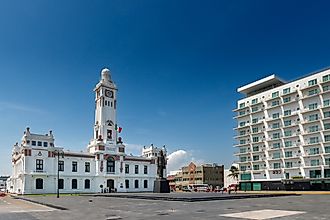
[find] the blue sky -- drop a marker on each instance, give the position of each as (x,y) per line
(177,65)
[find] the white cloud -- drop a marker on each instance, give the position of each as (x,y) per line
(180,158)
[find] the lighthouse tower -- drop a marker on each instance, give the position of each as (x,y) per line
(105,127)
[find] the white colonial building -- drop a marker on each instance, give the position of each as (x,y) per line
(104,167)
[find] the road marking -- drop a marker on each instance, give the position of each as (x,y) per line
(30,210)
(262,214)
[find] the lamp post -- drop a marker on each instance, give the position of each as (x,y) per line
(58,151)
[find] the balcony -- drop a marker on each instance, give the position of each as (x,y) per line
(259,110)
(241,136)
(309,87)
(272,119)
(310,132)
(307,110)
(310,121)
(241,145)
(274,129)
(289,93)
(273,106)
(310,96)
(241,116)
(290,115)
(239,109)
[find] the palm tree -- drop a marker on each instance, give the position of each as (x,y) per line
(234,172)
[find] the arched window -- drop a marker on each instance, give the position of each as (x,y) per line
(87,184)
(39,183)
(126,184)
(145,183)
(136,183)
(74,184)
(110,165)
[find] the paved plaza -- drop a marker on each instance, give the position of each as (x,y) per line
(87,207)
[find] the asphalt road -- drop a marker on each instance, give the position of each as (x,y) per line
(84,207)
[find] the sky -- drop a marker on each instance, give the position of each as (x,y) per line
(177,65)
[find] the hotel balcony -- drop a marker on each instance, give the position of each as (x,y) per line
(310,96)
(242,136)
(255,112)
(289,93)
(241,116)
(272,119)
(273,106)
(274,129)
(309,121)
(293,146)
(288,116)
(307,110)
(306,133)
(239,109)
(238,153)
(241,145)
(309,87)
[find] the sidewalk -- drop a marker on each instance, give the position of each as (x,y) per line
(288,192)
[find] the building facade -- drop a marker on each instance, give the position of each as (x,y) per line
(283,133)
(3,180)
(210,174)
(103,167)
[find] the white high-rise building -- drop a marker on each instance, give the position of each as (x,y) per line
(104,167)
(283,133)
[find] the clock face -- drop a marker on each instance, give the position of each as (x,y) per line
(108,93)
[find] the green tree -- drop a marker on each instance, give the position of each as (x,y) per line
(234,172)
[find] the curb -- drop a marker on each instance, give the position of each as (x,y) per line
(200,199)
(40,203)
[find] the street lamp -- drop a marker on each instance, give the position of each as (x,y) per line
(58,151)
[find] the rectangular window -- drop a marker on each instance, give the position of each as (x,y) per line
(327,161)
(243,168)
(254,120)
(312,92)
(74,166)
(276,115)
(286,91)
(313,140)
(312,106)
(34,143)
(242,132)
(312,82)
(288,143)
(256,157)
(276,145)
(288,164)
(61,165)
(254,109)
(242,113)
(255,148)
(145,169)
(288,133)
(275,125)
(313,128)
(277,165)
(326,114)
(287,122)
(276,155)
(256,167)
(326,103)
(326,88)
(87,167)
(255,130)
(74,184)
(313,117)
(242,150)
(255,139)
(241,124)
(39,165)
(327,149)
(254,101)
(287,112)
(315,162)
(275,103)
(136,169)
(314,150)
(288,154)
(126,168)
(326,126)
(45,144)
(275,94)
(326,138)
(286,99)
(242,141)
(243,159)
(326,78)
(242,105)
(276,135)
(39,143)
(61,183)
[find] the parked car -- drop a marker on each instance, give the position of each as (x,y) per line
(186,189)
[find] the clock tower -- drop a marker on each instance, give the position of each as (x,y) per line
(105,134)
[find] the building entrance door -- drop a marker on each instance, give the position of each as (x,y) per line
(110,184)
